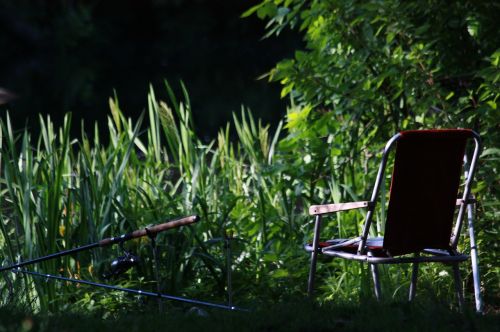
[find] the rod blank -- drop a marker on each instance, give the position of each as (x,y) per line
(133,291)
(152,231)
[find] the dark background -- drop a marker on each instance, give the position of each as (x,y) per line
(69,56)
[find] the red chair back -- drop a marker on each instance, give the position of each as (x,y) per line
(424,189)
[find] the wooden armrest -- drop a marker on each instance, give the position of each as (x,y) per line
(329,208)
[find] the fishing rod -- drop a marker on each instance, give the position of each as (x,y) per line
(149,231)
(133,291)
(121,264)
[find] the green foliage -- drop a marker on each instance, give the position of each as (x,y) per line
(61,193)
(372,68)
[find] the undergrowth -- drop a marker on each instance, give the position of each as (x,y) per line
(291,316)
(251,186)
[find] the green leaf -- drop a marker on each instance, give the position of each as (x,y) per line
(389,37)
(252,10)
(490,151)
(280,273)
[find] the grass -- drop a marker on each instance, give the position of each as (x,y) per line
(291,316)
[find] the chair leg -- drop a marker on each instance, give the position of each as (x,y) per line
(376,281)
(312,272)
(474,259)
(413,284)
(314,256)
(477,281)
(458,286)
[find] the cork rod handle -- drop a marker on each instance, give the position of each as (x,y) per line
(153,230)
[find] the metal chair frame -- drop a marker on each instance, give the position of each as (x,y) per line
(364,254)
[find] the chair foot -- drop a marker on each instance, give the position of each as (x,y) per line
(376,281)
(413,284)
(312,272)
(458,286)
(477,283)
(314,256)
(474,259)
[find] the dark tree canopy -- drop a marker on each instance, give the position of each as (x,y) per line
(69,56)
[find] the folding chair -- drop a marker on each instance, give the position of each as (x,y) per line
(423,197)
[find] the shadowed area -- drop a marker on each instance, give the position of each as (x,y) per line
(61,56)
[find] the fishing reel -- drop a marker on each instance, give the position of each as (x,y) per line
(122,264)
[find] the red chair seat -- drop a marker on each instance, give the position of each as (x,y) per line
(374,245)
